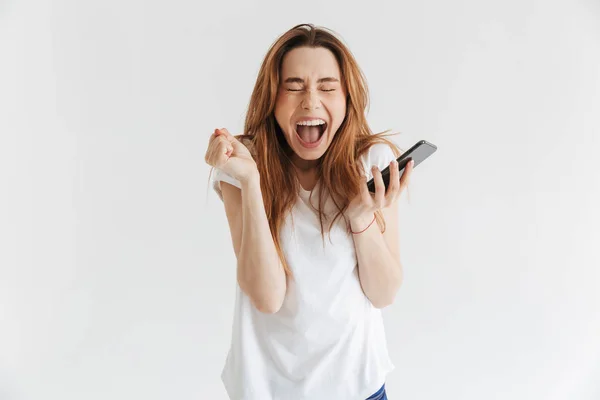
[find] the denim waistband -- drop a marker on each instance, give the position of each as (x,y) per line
(378,395)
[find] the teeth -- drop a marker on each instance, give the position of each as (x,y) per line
(312,123)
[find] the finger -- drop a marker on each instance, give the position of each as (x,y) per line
(226,134)
(365,194)
(406,174)
(225,146)
(212,137)
(220,150)
(238,146)
(394,184)
(379,187)
(218,139)
(210,148)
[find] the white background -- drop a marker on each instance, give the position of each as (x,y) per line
(117,271)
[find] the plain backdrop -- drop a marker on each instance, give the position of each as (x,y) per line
(117,272)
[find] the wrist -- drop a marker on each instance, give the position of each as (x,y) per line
(361,222)
(251,178)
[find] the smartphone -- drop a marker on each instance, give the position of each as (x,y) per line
(419,152)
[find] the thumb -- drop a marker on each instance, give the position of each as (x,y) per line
(235,143)
(226,134)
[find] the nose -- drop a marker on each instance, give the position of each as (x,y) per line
(310,100)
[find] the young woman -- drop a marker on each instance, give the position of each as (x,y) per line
(307,321)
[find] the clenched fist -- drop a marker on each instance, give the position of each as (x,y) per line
(229,155)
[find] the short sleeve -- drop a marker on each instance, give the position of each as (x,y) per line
(379,154)
(218,176)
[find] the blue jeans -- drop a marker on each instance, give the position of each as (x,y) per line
(378,395)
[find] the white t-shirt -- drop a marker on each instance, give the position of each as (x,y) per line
(327,341)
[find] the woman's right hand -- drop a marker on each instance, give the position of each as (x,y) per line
(229,155)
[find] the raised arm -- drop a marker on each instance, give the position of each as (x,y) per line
(260,273)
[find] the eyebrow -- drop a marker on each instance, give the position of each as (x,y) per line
(295,79)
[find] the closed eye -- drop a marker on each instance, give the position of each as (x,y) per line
(298,90)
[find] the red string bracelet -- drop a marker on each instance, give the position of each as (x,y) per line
(355,233)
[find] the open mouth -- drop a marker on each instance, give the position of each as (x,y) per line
(310,135)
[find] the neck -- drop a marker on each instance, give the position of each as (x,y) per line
(304,166)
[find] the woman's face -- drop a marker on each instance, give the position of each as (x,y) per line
(310,87)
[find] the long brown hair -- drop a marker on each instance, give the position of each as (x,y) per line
(339,170)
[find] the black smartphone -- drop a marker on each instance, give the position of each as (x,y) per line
(419,152)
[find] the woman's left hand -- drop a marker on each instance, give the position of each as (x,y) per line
(361,209)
